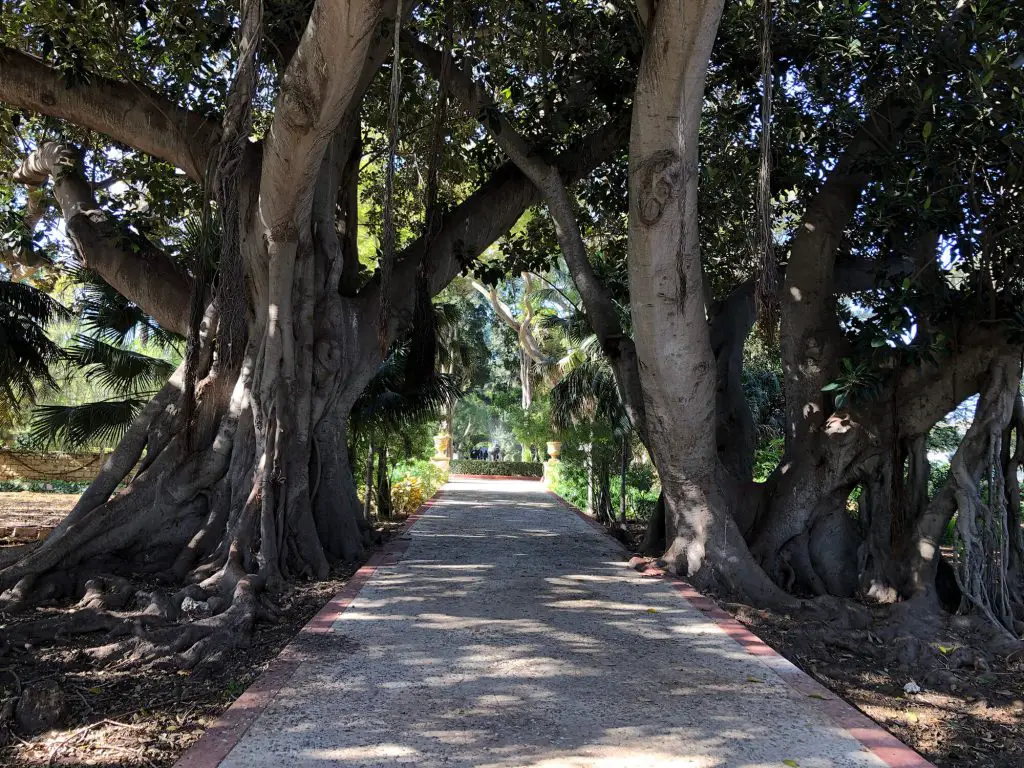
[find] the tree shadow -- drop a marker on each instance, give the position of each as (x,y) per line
(512,635)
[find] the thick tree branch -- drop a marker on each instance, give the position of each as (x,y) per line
(129,113)
(132,265)
(524,330)
(318,87)
(809,326)
(334,237)
(467,230)
(809,330)
(597,301)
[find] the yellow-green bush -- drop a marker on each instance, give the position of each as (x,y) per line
(414,483)
(407,495)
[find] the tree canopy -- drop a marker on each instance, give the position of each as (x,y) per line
(289,185)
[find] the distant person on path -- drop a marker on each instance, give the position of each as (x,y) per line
(496,452)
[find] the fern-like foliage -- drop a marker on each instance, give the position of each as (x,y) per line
(587,393)
(388,404)
(110,316)
(75,426)
(26,352)
(116,368)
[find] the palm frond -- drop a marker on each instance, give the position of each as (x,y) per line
(387,405)
(30,303)
(76,426)
(26,352)
(574,327)
(115,368)
(109,315)
(585,394)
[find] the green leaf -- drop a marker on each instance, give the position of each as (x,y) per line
(791,763)
(927,130)
(832,387)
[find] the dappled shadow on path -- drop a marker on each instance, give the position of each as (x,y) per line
(512,635)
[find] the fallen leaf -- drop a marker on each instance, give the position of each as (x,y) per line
(912,717)
(651,610)
(753,679)
(791,763)
(817,696)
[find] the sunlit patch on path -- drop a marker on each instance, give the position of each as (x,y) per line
(510,633)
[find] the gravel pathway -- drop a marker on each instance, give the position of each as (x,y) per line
(512,634)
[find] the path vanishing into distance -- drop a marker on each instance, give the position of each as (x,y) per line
(510,632)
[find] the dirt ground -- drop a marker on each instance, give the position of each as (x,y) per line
(969,712)
(140,717)
(970,709)
(26,508)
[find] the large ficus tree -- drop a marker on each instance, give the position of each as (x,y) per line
(896,180)
(895,186)
(241,476)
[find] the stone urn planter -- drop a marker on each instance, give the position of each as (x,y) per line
(441,446)
(554,449)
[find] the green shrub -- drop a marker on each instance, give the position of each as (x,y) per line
(412,483)
(507,468)
(642,487)
(43,486)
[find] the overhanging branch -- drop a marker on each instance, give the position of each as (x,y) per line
(548,179)
(129,113)
(132,265)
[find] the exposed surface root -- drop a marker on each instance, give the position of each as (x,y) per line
(135,714)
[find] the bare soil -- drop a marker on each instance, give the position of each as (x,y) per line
(970,709)
(136,716)
(26,508)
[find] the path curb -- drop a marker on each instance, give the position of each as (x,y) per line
(227,730)
(886,747)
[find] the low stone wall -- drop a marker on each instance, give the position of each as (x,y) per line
(29,465)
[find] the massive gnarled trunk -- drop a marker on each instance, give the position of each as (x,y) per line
(677,366)
(225,496)
(245,480)
(983,492)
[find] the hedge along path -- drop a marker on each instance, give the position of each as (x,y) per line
(510,633)
(486,468)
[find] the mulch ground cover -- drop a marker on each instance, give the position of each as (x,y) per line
(140,716)
(969,711)
(970,708)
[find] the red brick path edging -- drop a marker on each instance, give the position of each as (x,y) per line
(222,736)
(875,739)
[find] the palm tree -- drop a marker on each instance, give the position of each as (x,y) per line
(461,350)
(390,404)
(26,352)
(109,323)
(586,396)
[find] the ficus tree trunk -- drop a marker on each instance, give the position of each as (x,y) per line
(242,478)
(677,367)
